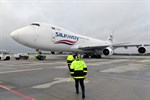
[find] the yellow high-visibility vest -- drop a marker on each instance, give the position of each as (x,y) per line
(78,69)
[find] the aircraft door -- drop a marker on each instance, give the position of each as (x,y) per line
(53,38)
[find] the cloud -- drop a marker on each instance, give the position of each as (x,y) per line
(128,18)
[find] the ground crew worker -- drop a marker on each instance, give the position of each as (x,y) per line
(36,56)
(78,71)
(44,56)
(70,59)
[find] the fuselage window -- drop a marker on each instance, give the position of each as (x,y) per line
(35,24)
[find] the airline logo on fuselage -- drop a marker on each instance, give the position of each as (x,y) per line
(66,36)
(68,39)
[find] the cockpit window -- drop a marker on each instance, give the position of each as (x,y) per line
(53,28)
(36,24)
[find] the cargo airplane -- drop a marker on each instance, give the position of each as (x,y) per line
(41,36)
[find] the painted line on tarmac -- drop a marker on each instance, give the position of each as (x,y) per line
(145,61)
(17,93)
(56,81)
(61,67)
(108,62)
(122,69)
(16,71)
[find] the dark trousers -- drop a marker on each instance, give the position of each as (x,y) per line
(81,81)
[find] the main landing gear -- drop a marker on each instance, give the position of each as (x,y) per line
(98,56)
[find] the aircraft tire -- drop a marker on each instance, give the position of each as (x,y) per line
(96,56)
(86,56)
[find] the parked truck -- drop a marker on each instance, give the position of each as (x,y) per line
(23,56)
(4,55)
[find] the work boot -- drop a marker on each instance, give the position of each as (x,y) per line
(83,96)
(77,92)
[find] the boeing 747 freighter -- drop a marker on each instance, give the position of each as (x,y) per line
(41,36)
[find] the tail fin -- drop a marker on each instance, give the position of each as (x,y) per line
(110,38)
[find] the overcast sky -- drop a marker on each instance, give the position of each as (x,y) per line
(130,19)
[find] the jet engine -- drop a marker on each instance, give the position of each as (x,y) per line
(52,52)
(141,49)
(107,51)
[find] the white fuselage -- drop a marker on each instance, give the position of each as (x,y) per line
(52,38)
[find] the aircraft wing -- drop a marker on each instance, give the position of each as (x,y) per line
(93,47)
(114,46)
(128,45)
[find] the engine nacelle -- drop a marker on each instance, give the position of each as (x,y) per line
(107,51)
(141,49)
(52,52)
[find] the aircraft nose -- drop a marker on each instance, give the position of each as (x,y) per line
(14,35)
(24,35)
(20,35)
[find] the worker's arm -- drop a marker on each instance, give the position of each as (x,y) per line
(85,68)
(72,69)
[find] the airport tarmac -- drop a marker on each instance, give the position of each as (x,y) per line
(109,78)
